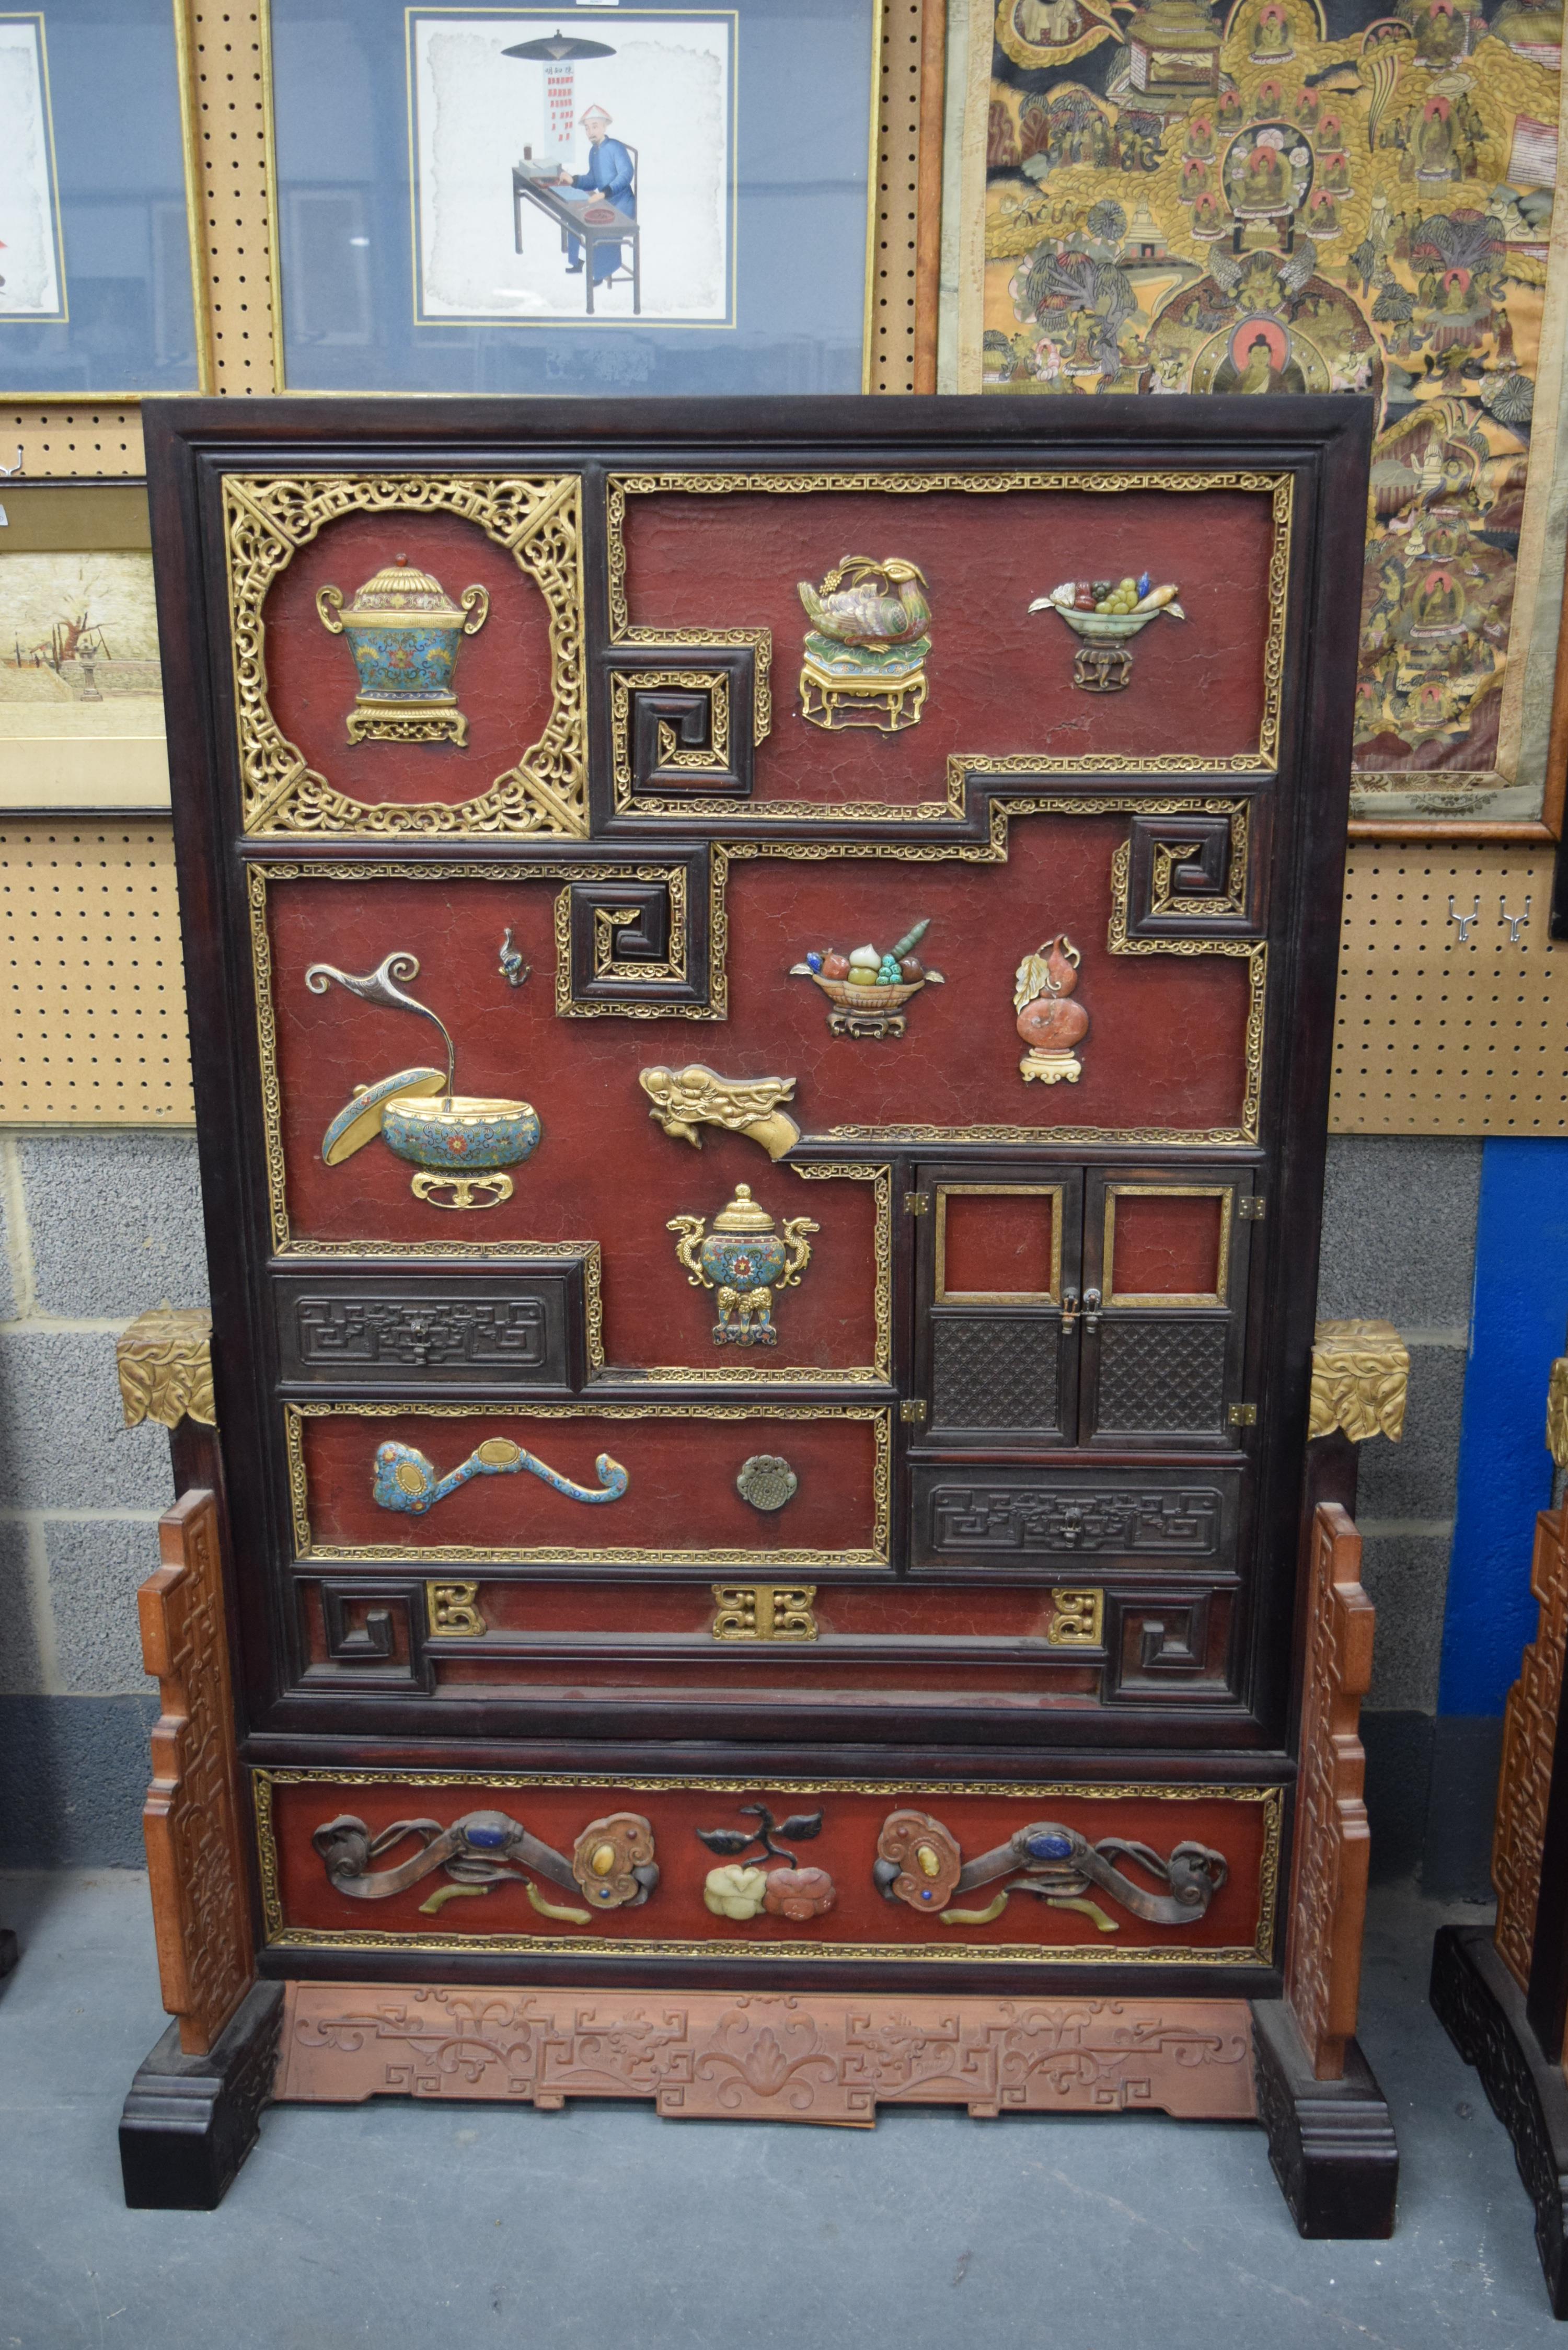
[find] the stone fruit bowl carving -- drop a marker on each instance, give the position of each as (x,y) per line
(868,984)
(1108,609)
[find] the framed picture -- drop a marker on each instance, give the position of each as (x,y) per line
(1258,196)
(582,199)
(97,297)
(81,694)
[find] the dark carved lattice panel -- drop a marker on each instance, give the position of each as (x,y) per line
(1162,1376)
(995,1371)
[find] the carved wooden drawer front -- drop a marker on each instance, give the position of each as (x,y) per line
(799,1872)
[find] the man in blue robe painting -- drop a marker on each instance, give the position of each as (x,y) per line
(610,175)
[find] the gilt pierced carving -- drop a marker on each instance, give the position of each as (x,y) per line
(1528,1743)
(165,1366)
(1360,1371)
(813,2057)
(269,517)
(191,1819)
(1328,1886)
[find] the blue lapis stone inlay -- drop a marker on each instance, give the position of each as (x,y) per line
(487,1838)
(1052,1846)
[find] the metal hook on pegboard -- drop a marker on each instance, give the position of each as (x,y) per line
(1466,922)
(1516,922)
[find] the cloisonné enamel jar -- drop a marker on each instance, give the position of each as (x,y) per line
(405,634)
(745,1260)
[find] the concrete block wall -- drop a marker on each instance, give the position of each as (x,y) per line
(99,1226)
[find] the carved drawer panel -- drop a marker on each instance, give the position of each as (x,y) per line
(521,1327)
(798,1872)
(1050,1519)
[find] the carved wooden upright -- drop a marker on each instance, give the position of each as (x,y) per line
(195,1856)
(1504,1995)
(763,1115)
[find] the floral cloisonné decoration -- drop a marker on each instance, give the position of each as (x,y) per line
(866,645)
(1105,613)
(460,1143)
(745,1260)
(1049,1022)
(744,1890)
(405,634)
(868,987)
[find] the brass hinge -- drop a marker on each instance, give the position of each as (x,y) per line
(915,1202)
(1250,1207)
(1243,1415)
(912,1407)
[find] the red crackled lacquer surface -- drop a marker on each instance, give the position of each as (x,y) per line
(1165,1050)
(845,1848)
(503,680)
(999,676)
(681,1495)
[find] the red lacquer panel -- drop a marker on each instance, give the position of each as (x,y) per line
(1166,1245)
(1001,676)
(845,1848)
(1165,1050)
(997,1242)
(681,1497)
(503,680)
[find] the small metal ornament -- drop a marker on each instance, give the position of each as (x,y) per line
(766,1481)
(745,1258)
(461,1143)
(514,970)
(405,633)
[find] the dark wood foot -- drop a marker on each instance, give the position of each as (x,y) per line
(1481,2009)
(10,1950)
(1331,2142)
(190,2121)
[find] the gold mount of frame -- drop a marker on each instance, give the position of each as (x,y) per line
(763,1611)
(1279,488)
(1260,1953)
(165,1363)
(267,518)
(879,1417)
(1360,1371)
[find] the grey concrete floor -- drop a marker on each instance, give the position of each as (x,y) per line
(409,2227)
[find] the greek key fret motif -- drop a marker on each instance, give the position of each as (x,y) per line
(423,1333)
(1182,1522)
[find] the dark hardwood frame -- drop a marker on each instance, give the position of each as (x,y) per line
(1324,443)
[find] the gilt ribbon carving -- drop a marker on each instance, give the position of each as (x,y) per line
(165,1365)
(1360,1371)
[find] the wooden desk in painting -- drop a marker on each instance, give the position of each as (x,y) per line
(581,213)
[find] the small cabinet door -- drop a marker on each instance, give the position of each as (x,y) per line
(1164,1294)
(998,1260)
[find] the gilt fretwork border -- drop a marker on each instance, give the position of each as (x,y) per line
(267,518)
(1279,488)
(732,1561)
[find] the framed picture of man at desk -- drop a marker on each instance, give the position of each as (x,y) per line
(592,198)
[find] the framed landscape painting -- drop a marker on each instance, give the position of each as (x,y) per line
(81,690)
(585,199)
(96,292)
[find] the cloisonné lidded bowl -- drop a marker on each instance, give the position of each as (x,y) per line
(743,1250)
(459,1134)
(404,632)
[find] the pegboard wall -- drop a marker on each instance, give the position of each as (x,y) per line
(1439,1034)
(1432,1036)
(93,984)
